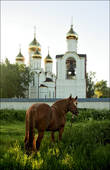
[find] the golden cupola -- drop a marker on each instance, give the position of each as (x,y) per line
(37,54)
(48,58)
(34,44)
(72,34)
(20,57)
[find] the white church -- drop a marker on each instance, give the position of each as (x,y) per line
(70,75)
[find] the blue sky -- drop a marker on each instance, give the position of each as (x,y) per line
(53,20)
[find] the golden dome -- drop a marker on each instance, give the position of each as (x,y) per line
(34,44)
(72,34)
(37,54)
(20,57)
(48,59)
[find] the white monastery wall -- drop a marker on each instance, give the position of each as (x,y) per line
(85,103)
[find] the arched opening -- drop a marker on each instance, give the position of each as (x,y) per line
(70,68)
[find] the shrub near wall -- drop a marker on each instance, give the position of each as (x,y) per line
(12,115)
(84,115)
(90,114)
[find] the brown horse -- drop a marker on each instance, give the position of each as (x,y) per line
(47,118)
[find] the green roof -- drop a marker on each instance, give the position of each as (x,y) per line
(35,42)
(20,55)
(71,31)
(48,57)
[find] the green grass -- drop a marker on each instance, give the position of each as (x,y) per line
(85,145)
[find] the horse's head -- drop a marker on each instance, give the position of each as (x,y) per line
(72,105)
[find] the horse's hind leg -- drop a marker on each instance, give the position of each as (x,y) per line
(52,137)
(32,142)
(39,139)
(61,132)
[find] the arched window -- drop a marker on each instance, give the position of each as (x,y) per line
(70,68)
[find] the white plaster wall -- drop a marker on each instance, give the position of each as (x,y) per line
(51,89)
(43,92)
(60,65)
(26,105)
(48,67)
(71,45)
(36,63)
(76,87)
(30,58)
(67,87)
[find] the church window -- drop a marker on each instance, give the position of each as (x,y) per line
(70,68)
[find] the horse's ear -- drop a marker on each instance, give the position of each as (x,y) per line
(76,97)
(70,96)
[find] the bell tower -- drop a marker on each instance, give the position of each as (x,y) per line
(72,39)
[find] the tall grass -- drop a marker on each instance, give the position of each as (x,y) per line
(85,145)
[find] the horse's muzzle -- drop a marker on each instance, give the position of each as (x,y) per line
(76,112)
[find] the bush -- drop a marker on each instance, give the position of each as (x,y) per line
(89,114)
(11,115)
(84,115)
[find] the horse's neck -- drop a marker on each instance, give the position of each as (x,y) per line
(61,106)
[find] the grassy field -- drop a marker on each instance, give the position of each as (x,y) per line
(85,145)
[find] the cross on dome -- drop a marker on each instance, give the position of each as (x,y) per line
(34,31)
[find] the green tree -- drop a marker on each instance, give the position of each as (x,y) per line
(101,89)
(14,80)
(90,84)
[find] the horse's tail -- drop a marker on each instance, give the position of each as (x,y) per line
(27,127)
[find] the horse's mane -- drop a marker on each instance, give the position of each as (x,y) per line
(58,102)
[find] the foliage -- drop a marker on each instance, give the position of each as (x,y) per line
(90,84)
(98,89)
(84,115)
(11,114)
(83,145)
(101,89)
(14,80)
(89,114)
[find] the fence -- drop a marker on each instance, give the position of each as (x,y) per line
(23,104)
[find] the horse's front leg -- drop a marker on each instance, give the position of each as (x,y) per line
(61,132)
(39,139)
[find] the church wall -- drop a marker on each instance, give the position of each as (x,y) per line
(43,92)
(48,67)
(67,87)
(51,89)
(71,45)
(36,64)
(77,86)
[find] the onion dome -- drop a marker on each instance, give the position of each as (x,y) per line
(20,57)
(34,44)
(48,58)
(37,54)
(72,34)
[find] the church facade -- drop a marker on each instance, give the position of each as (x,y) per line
(70,75)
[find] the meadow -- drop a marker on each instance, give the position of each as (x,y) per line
(85,143)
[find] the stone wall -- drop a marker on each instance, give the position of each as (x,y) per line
(24,104)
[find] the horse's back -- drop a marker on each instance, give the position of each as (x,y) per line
(38,108)
(40,115)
